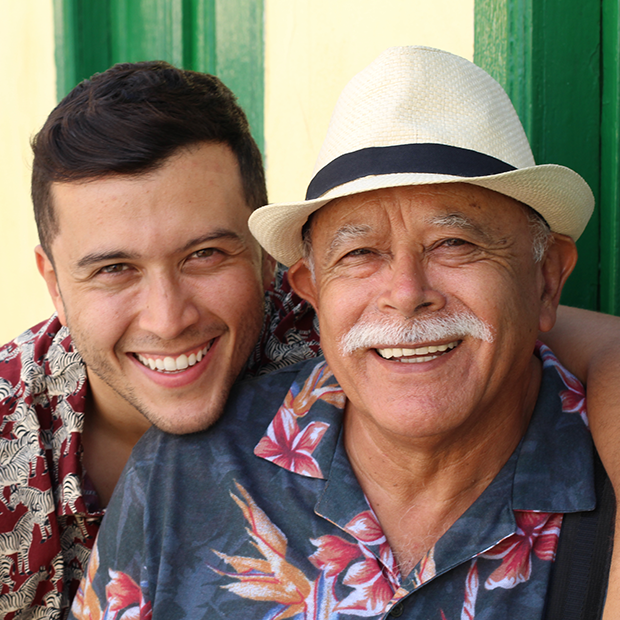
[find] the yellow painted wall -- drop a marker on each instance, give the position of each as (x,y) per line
(314,47)
(28,93)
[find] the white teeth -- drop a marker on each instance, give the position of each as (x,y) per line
(420,353)
(173,364)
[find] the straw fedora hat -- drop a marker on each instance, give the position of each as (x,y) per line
(416,116)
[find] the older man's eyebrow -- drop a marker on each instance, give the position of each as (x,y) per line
(459,220)
(346,234)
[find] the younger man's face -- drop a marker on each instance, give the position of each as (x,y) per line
(161,284)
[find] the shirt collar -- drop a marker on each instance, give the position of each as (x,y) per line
(551,471)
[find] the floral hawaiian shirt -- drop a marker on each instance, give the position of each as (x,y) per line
(262,517)
(49,513)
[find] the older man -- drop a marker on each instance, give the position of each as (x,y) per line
(423,469)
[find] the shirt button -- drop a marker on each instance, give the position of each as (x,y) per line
(397,610)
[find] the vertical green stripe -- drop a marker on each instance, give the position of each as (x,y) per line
(200,27)
(224,37)
(147,30)
(546,54)
(82,41)
(610,159)
(503,46)
(240,56)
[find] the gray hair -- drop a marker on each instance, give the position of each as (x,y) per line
(542,237)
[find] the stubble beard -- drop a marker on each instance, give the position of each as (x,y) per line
(215,399)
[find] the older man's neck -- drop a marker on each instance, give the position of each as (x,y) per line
(418,489)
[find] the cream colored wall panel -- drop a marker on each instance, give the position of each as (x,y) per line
(28,95)
(314,47)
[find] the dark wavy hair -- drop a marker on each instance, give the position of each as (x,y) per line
(129,120)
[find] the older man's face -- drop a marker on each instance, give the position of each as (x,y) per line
(429,302)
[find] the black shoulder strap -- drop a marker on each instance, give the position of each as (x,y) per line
(581,568)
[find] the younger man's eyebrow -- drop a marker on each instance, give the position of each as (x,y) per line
(120,255)
(221,233)
(101,257)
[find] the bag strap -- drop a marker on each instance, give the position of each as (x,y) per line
(580,573)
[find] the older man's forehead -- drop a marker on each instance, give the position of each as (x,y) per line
(457,205)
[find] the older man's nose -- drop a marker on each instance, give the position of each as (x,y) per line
(408,290)
(168,308)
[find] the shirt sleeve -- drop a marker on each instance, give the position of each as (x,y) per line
(290,331)
(116,582)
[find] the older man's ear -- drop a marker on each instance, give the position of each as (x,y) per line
(303,282)
(557,265)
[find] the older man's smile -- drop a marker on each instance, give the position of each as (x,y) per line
(417,355)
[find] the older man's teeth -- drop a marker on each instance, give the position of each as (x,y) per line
(173,364)
(419,354)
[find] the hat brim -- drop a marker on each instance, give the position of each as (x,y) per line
(558,193)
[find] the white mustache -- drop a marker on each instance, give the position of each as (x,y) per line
(384,331)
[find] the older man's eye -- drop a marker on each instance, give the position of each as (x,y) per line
(455,242)
(359,252)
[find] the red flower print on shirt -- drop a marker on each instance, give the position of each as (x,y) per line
(574,397)
(537,532)
(285,443)
(289,447)
(372,590)
(124,593)
(333,554)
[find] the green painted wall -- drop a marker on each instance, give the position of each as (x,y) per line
(547,55)
(223,37)
(610,158)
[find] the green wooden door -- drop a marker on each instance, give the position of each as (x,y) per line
(558,61)
(223,37)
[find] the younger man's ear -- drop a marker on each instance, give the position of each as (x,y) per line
(46,269)
(557,265)
(303,282)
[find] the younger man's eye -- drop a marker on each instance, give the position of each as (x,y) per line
(205,253)
(116,268)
